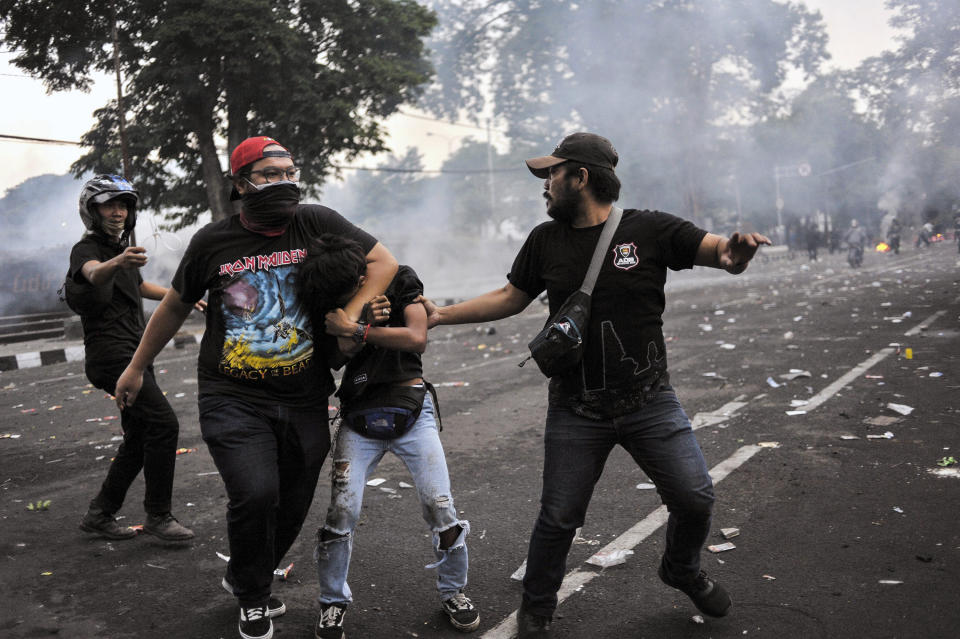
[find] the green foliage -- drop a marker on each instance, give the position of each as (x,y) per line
(319,75)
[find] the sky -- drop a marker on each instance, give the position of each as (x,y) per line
(857,29)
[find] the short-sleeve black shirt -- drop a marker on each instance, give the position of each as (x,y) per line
(111,333)
(258,343)
(625,357)
(375,365)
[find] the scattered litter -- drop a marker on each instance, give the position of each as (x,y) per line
(730,533)
(795,373)
(42,504)
(721,547)
(46,574)
(184,451)
(519,573)
(376,482)
(898,509)
(283,573)
(945,472)
(28,411)
(796,412)
(874,376)
(212,472)
(881,420)
(773,383)
(713,375)
(903,409)
(10,436)
(890,582)
(644,485)
(607,558)
(886,435)
(581,540)
(798,402)
(943,462)
(849,437)
(768,444)
(788,335)
(180,395)
(404,484)
(769,577)
(59,406)
(483,533)
(934,374)
(156,566)
(223,556)
(452,384)
(697,619)
(797,318)
(392,491)
(728,346)
(908,353)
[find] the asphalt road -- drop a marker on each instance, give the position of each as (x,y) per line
(825,520)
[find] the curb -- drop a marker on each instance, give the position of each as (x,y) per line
(33,359)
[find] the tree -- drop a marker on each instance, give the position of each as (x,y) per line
(319,75)
(668,81)
(386,196)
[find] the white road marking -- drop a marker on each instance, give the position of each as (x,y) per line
(924,324)
(850,375)
(578,577)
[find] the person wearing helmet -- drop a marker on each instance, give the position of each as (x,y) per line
(263,376)
(104,285)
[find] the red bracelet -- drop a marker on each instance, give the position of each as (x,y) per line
(366,329)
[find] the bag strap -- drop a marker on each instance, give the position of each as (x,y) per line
(606,235)
(436,403)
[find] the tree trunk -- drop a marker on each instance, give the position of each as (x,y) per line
(213,180)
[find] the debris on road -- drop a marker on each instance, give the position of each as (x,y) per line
(697,619)
(796,412)
(730,533)
(849,437)
(644,485)
(795,373)
(404,484)
(721,547)
(890,582)
(886,435)
(184,451)
(376,482)
(881,420)
(898,509)
(769,577)
(607,558)
(768,444)
(947,461)
(945,472)
(773,383)
(452,384)
(903,409)
(520,572)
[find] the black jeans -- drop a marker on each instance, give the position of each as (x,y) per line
(150,430)
(269,457)
(661,441)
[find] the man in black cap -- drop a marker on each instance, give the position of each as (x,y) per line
(620,392)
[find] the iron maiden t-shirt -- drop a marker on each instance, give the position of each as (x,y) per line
(258,343)
(625,357)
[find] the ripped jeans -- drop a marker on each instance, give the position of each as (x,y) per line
(354,460)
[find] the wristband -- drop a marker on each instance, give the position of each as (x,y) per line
(366,329)
(360,333)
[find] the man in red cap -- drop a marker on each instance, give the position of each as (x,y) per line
(619,393)
(263,377)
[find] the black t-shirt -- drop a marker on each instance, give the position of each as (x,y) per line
(625,356)
(257,344)
(111,329)
(374,365)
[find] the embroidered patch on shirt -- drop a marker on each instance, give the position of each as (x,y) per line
(625,256)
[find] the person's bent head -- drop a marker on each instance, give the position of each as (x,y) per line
(331,274)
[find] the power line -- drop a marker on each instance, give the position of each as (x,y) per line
(21,138)
(463,124)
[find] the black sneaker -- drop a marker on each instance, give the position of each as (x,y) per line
(166,527)
(255,623)
(707,595)
(275,607)
(532,626)
(99,522)
(463,614)
(330,621)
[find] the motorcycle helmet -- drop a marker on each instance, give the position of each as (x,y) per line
(103,188)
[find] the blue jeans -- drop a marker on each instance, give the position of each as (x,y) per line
(269,457)
(661,441)
(354,460)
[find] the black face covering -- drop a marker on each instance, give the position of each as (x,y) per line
(268,210)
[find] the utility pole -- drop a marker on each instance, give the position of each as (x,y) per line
(121,119)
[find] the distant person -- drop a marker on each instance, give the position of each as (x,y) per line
(855,239)
(620,392)
(812,238)
(263,381)
(385,407)
(956,229)
(893,235)
(105,287)
(923,237)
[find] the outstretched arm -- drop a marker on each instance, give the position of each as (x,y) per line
(731,254)
(494,305)
(163,325)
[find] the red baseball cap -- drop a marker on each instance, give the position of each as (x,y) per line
(252,149)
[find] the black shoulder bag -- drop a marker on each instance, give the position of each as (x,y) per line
(559,346)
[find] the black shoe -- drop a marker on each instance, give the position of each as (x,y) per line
(330,621)
(275,607)
(532,626)
(463,614)
(255,623)
(105,525)
(707,595)
(166,527)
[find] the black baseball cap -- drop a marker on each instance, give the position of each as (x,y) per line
(585,148)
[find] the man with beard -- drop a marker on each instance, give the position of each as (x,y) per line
(620,392)
(263,380)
